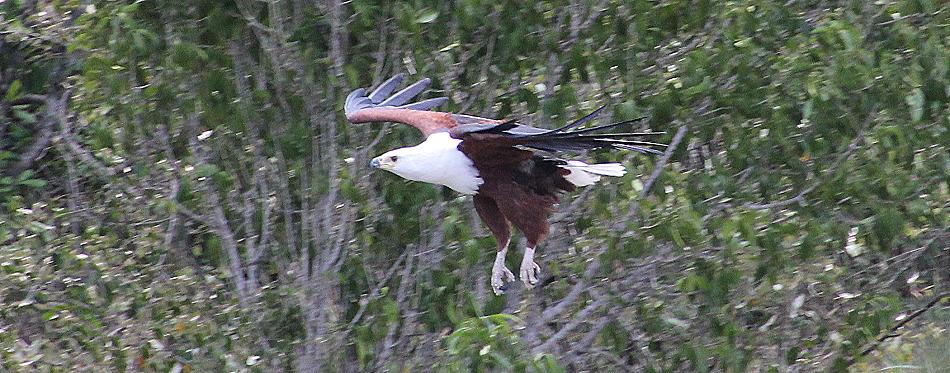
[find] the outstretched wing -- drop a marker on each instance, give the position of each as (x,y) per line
(382,105)
(510,134)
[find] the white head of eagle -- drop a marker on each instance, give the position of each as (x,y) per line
(436,160)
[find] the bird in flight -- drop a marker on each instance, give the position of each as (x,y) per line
(509,168)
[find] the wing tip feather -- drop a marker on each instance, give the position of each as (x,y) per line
(383,97)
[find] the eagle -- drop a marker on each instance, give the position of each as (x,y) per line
(510,169)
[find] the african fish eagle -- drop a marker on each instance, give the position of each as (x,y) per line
(492,160)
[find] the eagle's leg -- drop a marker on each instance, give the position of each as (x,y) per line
(500,275)
(500,227)
(530,271)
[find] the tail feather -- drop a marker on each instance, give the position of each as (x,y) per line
(583,174)
(606,169)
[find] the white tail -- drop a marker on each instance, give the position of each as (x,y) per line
(583,174)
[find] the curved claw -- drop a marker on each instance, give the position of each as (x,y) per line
(500,275)
(530,271)
(500,279)
(530,274)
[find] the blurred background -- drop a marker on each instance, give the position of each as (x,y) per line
(180,191)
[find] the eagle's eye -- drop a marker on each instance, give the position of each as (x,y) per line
(393,158)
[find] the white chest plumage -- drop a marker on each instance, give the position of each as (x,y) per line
(436,160)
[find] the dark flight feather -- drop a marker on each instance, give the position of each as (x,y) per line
(493,128)
(598,128)
(576,123)
(510,133)
(406,94)
(384,90)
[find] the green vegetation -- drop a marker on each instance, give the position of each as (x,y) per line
(180,192)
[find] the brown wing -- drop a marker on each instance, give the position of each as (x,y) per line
(523,185)
(382,105)
(498,160)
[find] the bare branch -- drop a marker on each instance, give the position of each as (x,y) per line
(661,164)
(402,294)
(579,318)
(588,338)
(55,114)
(173,182)
(577,24)
(219,221)
(800,197)
(892,332)
(375,293)
(336,37)
(551,312)
(30,99)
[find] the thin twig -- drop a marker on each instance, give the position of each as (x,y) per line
(55,113)
(575,321)
(800,197)
(594,263)
(892,332)
(375,293)
(661,164)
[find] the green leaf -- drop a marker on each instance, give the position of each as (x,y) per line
(206,170)
(25,175)
(847,38)
(39,227)
(792,355)
(427,16)
(916,102)
(24,116)
(14,90)
(33,183)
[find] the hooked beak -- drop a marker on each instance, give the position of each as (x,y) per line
(383,162)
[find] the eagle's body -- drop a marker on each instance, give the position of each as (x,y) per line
(494,161)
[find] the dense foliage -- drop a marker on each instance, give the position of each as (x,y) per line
(179,190)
